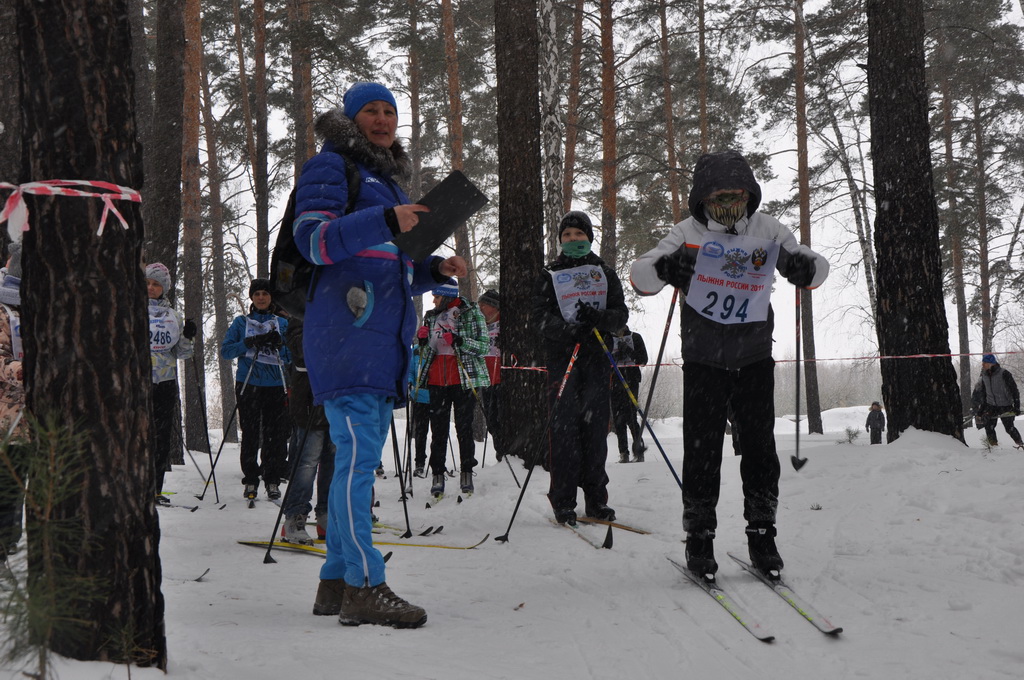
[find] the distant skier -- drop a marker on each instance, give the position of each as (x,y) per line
(724,257)
(996,398)
(875,423)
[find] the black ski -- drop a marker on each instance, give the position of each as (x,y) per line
(710,586)
(780,588)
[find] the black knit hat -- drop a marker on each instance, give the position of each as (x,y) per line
(579,220)
(259,284)
(490,297)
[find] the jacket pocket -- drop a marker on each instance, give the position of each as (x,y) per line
(360,302)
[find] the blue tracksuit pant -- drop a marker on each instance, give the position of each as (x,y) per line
(359,428)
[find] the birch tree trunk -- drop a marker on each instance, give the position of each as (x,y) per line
(85,325)
(551,123)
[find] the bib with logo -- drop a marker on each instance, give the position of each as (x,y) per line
(254,327)
(732,280)
(163,329)
(587,284)
(446,322)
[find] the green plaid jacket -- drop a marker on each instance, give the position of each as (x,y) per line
(472,328)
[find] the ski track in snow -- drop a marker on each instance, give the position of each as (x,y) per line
(915,548)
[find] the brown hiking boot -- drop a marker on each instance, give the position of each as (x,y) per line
(328,597)
(378,604)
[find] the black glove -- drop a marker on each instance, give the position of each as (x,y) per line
(271,340)
(252,341)
(677,269)
(798,268)
(189,330)
(587,317)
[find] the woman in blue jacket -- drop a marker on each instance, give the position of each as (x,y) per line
(256,341)
(359,328)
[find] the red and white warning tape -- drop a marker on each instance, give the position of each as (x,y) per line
(15,211)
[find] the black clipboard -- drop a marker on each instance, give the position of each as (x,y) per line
(451,203)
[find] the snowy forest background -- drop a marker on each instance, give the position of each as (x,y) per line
(632,93)
(221,95)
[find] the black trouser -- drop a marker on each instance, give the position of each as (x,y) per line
(442,400)
(623,412)
(991,420)
(163,400)
(578,439)
(706,395)
(876,435)
(12,495)
(263,417)
(491,397)
(419,415)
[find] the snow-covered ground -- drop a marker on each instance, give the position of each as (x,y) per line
(915,548)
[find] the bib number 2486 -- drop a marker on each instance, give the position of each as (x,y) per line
(727,308)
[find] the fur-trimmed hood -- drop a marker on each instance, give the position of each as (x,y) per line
(341,132)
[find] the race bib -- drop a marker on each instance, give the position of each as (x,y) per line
(163,332)
(492,336)
(446,322)
(732,281)
(253,327)
(586,284)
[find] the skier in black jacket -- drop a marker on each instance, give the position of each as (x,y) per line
(630,354)
(577,293)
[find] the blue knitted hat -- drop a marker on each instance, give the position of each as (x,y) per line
(989,359)
(446,290)
(361,94)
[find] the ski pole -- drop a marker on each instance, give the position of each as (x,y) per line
(551,416)
(481,404)
(401,479)
(267,559)
(231,420)
(661,352)
(632,398)
(797,461)
(206,425)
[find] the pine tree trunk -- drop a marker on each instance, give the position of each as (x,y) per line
(85,325)
(520,224)
(609,131)
(140,64)
(667,109)
(260,173)
(572,119)
(920,392)
(214,178)
(814,423)
(981,202)
(302,83)
(702,78)
(192,225)
(955,235)
(10,109)
(162,205)
(467,287)
(551,123)
(416,123)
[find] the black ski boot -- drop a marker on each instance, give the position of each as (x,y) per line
(566,516)
(764,556)
(601,511)
(700,553)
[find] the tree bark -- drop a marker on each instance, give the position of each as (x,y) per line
(551,123)
(416,121)
(814,424)
(609,131)
(302,83)
(702,78)
(667,110)
(468,286)
(920,392)
(143,85)
(161,208)
(520,224)
(85,326)
(980,181)
(10,109)
(261,176)
(192,225)
(572,120)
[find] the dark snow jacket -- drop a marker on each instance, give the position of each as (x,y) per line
(359,326)
(995,393)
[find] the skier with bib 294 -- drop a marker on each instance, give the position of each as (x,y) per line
(724,257)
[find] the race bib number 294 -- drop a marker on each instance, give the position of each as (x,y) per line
(732,280)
